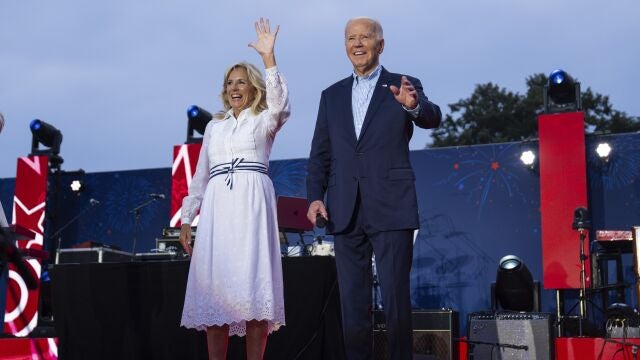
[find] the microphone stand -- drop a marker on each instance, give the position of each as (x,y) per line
(136,215)
(583,282)
(58,232)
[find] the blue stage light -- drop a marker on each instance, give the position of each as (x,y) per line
(35,125)
(561,93)
(193,111)
(198,120)
(557,76)
(47,135)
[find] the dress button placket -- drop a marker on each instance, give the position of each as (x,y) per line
(228,142)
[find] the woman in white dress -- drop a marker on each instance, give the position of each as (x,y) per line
(235,277)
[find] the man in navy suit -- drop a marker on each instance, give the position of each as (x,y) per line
(360,158)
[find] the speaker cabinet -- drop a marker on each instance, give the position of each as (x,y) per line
(510,336)
(434,332)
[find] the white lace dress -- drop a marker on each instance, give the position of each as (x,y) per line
(236,272)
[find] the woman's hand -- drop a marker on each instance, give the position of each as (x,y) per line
(266,41)
(185,238)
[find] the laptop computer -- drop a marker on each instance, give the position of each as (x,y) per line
(292,214)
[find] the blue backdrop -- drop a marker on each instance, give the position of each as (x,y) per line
(477,204)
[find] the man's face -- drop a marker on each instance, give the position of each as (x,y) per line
(363,46)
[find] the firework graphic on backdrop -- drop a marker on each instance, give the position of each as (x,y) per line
(482,173)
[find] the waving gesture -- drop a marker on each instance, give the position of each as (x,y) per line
(266,41)
(406,94)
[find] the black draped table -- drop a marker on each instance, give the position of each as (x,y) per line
(132,311)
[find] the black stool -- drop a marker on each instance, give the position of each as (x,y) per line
(600,261)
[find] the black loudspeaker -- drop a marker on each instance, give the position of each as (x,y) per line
(507,336)
(434,332)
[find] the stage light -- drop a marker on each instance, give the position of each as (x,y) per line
(47,135)
(77,186)
(561,93)
(515,288)
(561,87)
(198,120)
(603,150)
(528,158)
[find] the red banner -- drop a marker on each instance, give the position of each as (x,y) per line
(21,312)
(563,188)
(185,159)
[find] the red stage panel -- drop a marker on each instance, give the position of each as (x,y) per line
(563,188)
(594,349)
(185,158)
(21,312)
(27,349)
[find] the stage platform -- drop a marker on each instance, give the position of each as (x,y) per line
(132,311)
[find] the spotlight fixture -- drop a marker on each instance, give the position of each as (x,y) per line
(604,150)
(198,120)
(561,93)
(515,288)
(581,219)
(77,186)
(528,158)
(50,137)
(47,135)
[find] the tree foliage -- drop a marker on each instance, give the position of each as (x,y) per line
(493,114)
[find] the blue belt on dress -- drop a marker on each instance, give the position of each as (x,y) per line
(237,164)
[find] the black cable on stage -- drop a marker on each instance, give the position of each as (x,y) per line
(322,313)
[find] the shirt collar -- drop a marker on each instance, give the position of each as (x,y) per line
(229,114)
(373,75)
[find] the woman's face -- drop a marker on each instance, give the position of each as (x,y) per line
(239,90)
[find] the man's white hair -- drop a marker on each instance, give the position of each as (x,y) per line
(377,27)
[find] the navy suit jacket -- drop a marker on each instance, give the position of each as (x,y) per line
(377,163)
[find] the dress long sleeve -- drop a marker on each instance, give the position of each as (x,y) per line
(277,100)
(191,203)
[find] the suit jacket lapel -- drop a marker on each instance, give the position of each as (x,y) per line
(378,97)
(346,108)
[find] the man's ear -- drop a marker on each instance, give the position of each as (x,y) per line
(380,46)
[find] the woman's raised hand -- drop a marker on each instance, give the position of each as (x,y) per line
(265,42)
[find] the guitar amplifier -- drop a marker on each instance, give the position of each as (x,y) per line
(511,336)
(434,332)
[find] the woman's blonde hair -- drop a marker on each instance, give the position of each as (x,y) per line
(257,82)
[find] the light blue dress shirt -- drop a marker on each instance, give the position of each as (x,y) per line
(361,92)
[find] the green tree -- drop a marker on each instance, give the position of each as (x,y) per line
(493,115)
